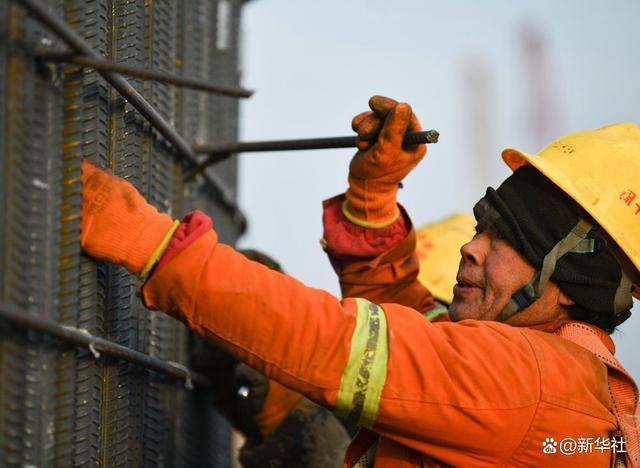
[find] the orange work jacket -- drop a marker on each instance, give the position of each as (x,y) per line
(464,394)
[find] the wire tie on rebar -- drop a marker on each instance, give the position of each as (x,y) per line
(188,381)
(92,339)
(92,348)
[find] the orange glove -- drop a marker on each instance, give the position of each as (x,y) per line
(118,225)
(381,162)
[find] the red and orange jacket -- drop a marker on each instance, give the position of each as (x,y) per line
(466,394)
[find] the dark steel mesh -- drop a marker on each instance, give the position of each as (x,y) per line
(59,405)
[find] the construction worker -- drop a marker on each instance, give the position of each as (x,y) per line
(523,375)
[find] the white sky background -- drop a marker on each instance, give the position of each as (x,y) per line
(460,64)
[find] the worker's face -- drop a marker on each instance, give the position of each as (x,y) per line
(490,272)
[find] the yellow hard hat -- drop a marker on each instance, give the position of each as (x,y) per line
(600,170)
(438,250)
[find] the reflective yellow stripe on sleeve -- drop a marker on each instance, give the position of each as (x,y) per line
(366,369)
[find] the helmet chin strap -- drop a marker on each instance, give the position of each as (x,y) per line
(575,242)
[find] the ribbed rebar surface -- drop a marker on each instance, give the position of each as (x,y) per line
(59,405)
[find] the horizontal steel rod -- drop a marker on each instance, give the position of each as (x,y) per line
(429,136)
(77,43)
(222,148)
(144,73)
(85,339)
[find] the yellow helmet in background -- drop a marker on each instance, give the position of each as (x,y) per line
(438,250)
(600,170)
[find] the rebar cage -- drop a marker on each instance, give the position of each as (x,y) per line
(62,404)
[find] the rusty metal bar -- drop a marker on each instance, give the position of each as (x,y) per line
(144,73)
(77,43)
(100,345)
(217,151)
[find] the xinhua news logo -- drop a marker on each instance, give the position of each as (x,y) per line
(570,446)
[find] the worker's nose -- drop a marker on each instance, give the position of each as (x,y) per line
(475,251)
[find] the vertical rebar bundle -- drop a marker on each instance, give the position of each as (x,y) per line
(60,403)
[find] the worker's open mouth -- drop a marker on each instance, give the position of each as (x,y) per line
(465,285)
(466,282)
